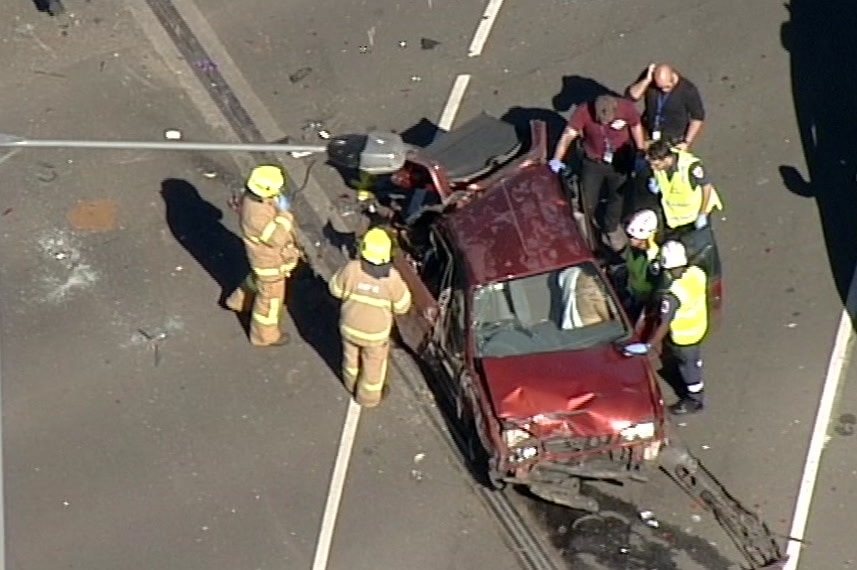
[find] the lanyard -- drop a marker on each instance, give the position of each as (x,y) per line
(608,144)
(659,113)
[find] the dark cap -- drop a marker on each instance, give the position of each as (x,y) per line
(605,108)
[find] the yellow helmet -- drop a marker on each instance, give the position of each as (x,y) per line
(266,181)
(377,247)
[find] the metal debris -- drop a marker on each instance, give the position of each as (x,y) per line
(428,43)
(210,174)
(416,475)
(370,33)
(155,337)
(419,457)
(173,134)
(403,44)
(416,78)
(363,49)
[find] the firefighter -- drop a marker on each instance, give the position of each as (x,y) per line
(686,194)
(371,291)
(641,261)
(683,324)
(267,227)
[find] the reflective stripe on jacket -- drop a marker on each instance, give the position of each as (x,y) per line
(681,200)
(269,238)
(368,303)
(691,320)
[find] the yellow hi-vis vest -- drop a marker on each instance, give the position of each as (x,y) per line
(691,320)
(680,200)
(638,270)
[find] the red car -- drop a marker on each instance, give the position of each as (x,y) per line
(521,324)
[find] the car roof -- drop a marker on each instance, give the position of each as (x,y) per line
(521,225)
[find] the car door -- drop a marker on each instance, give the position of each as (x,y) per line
(449,331)
(415,325)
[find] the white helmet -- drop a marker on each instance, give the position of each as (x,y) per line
(643,224)
(673,254)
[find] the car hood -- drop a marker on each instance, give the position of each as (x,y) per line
(592,388)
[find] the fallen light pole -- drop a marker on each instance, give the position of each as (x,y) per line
(373,153)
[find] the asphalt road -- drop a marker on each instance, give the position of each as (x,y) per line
(140,428)
(787,247)
(786,240)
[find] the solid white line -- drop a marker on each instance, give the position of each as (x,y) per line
(2,483)
(450,110)
(489,16)
(836,367)
(337,483)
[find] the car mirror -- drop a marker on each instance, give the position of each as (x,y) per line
(376,153)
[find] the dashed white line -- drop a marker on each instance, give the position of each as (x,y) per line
(835,369)
(489,16)
(447,117)
(337,484)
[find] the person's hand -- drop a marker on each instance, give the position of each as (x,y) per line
(701,221)
(653,186)
(682,146)
(283,203)
(556,165)
(650,72)
(637,349)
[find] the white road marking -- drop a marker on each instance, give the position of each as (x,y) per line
(2,481)
(489,16)
(835,369)
(450,110)
(337,484)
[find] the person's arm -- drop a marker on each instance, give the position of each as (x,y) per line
(699,179)
(568,137)
(669,307)
(636,90)
(696,112)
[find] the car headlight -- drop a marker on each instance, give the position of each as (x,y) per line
(514,436)
(631,432)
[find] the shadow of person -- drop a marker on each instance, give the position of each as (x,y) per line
(195,223)
(520,118)
(315,314)
(576,90)
(819,39)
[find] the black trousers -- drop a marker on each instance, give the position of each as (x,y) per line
(598,177)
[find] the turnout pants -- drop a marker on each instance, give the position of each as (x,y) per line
(364,371)
(267,296)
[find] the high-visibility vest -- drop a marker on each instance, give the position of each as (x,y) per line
(681,200)
(638,270)
(691,320)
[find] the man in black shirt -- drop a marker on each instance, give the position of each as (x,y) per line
(673,107)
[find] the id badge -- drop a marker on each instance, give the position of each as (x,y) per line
(656,135)
(608,156)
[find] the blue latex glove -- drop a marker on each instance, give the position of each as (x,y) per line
(701,221)
(283,203)
(637,349)
(556,165)
(653,186)
(640,164)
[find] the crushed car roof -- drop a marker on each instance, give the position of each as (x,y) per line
(522,225)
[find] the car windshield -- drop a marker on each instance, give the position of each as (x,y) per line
(566,309)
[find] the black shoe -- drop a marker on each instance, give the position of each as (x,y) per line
(686,406)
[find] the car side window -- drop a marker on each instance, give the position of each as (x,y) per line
(437,266)
(455,318)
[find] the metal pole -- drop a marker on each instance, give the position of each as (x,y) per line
(16,142)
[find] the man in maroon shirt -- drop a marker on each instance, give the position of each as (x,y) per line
(610,133)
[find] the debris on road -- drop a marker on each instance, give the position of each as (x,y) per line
(300,74)
(63,247)
(419,457)
(648,517)
(403,44)
(428,43)
(172,134)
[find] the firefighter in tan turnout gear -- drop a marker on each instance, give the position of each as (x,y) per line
(371,291)
(267,229)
